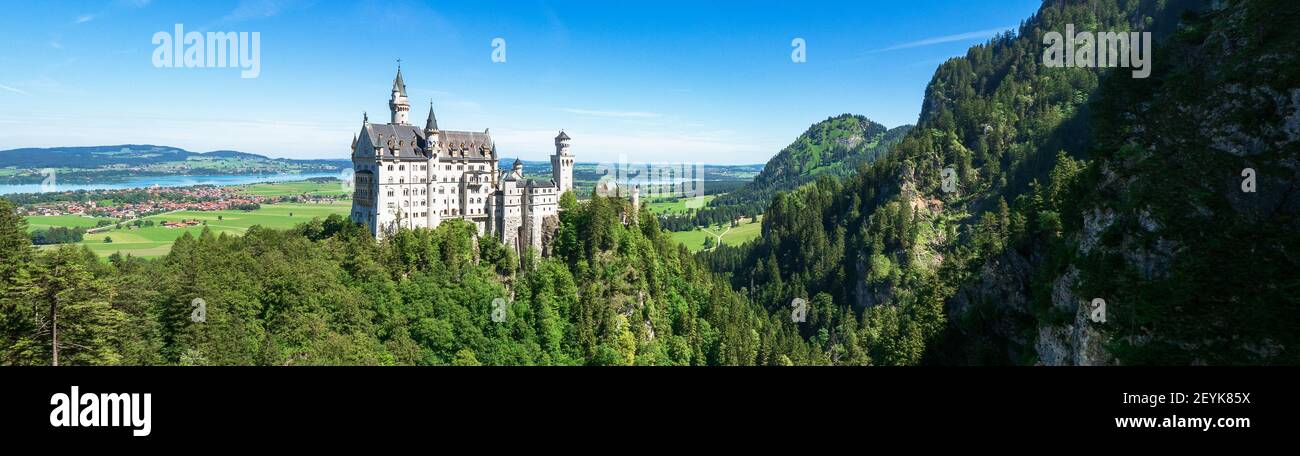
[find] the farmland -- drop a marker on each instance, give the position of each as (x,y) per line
(694,239)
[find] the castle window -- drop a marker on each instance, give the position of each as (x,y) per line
(390,167)
(401,168)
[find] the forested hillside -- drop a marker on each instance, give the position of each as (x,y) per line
(835,146)
(327,293)
(1172,199)
(1071,185)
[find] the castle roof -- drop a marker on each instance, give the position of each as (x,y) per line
(563,136)
(398,84)
(410,143)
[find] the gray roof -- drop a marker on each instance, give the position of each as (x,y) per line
(470,144)
(410,143)
(563,136)
(398,84)
(407,140)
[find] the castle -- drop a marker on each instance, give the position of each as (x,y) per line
(407,177)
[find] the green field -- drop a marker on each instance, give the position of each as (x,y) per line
(42,222)
(694,239)
(678,205)
(274,189)
(156,241)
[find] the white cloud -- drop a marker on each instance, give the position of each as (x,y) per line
(614,114)
(947,39)
(84,18)
(13,89)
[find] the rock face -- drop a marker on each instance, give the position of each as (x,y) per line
(1172,234)
(550,227)
(1078,342)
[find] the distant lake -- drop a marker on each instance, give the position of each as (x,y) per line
(168,181)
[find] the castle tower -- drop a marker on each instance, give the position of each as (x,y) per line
(636,202)
(398,103)
(431,126)
(562,163)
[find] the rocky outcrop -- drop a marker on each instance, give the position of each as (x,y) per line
(1078,342)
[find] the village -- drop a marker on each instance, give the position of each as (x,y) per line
(130,204)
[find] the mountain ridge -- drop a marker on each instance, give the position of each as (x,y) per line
(835,146)
(122,154)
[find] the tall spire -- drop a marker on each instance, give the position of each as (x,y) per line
(432,123)
(398,104)
(399,85)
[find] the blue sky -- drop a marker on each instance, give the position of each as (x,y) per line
(661,81)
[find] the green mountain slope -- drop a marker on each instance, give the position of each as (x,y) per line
(1072,185)
(835,146)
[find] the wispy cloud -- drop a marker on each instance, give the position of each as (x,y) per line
(84,18)
(13,89)
(981,34)
(613,114)
(257,9)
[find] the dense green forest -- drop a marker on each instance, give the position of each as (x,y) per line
(1068,186)
(615,293)
(1072,185)
(835,147)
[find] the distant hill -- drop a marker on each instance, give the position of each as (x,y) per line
(129,155)
(835,146)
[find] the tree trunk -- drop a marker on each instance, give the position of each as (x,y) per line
(54,329)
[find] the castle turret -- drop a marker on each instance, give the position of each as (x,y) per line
(431,126)
(562,163)
(398,104)
(636,202)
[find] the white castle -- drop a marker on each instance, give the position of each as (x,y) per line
(406,177)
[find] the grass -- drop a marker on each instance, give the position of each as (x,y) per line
(156,241)
(678,205)
(694,239)
(273,189)
(42,222)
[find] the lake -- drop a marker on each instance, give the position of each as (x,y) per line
(169,181)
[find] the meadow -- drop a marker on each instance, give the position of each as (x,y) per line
(156,241)
(43,222)
(309,188)
(678,205)
(749,229)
